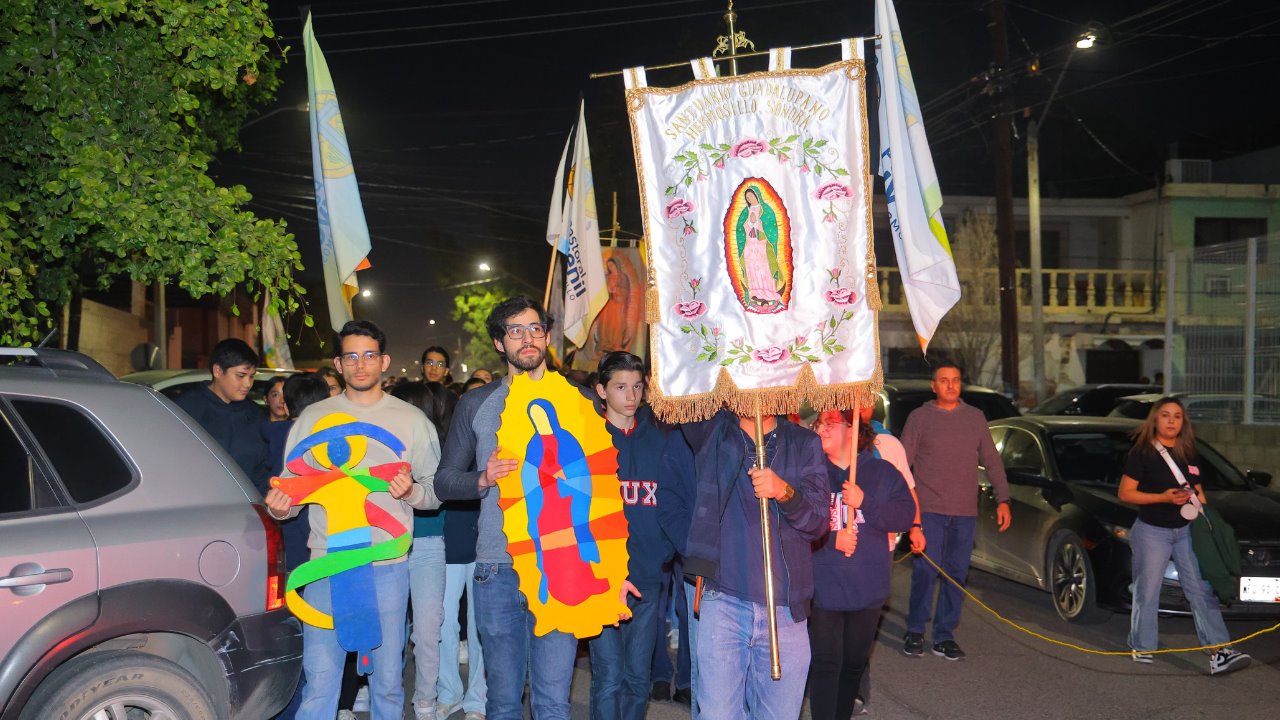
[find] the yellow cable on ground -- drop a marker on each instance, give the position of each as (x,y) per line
(1073,646)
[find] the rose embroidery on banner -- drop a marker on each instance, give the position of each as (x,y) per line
(748,147)
(679,208)
(841,296)
(832,191)
(771,355)
(690,309)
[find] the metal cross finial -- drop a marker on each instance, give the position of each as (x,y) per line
(729,44)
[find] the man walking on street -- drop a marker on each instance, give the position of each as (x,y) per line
(946,440)
(362,359)
(512,653)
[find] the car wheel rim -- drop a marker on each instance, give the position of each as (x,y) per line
(1070,578)
(133,707)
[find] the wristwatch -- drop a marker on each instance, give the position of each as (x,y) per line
(787,494)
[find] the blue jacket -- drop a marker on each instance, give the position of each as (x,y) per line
(639,463)
(237,427)
(720,453)
(861,581)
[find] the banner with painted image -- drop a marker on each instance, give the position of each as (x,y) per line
(620,323)
(755,194)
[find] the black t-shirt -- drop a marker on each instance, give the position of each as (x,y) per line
(1153,475)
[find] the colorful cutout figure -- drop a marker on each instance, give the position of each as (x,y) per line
(337,444)
(562,508)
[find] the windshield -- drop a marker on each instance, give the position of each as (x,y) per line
(1098,458)
(993,405)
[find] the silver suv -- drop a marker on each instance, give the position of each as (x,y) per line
(140,576)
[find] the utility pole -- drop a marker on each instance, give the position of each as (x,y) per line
(1003,106)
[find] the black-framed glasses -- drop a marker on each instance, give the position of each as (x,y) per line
(368,356)
(436,363)
(535,330)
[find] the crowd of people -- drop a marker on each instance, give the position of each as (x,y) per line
(836,491)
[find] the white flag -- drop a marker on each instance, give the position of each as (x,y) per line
(911,186)
(572,228)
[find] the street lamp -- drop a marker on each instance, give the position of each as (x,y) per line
(366,293)
(484,267)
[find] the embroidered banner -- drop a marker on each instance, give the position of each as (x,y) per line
(755,193)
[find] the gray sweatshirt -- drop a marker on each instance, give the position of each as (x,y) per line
(945,448)
(422,451)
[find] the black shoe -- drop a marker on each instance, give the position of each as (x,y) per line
(949,650)
(661,691)
(913,644)
(682,696)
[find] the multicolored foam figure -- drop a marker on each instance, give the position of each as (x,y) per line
(562,509)
(335,480)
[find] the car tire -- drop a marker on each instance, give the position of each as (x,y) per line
(121,684)
(1071,581)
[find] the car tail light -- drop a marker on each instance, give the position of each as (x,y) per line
(275,559)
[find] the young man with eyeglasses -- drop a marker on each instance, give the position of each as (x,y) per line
(470,468)
(362,360)
(435,365)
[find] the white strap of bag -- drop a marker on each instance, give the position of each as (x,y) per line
(1196,507)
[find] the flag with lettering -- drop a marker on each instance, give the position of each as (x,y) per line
(925,263)
(344,236)
(573,229)
(755,192)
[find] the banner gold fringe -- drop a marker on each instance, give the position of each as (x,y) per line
(652,313)
(773,401)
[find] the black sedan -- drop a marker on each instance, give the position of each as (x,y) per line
(1070,533)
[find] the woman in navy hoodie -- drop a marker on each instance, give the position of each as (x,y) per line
(621,656)
(851,578)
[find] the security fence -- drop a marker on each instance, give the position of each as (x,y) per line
(1222,330)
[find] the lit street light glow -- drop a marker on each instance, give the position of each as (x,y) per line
(366,293)
(484,267)
(1086,41)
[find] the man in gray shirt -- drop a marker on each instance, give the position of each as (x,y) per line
(470,468)
(946,440)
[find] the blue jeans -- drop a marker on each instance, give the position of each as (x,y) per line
(449,685)
(512,653)
(323,657)
(426,592)
(734,664)
(1152,547)
(950,539)
(620,661)
(691,639)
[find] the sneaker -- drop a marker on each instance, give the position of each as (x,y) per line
(444,710)
(462,653)
(1227,660)
(661,691)
(347,715)
(949,650)
(913,644)
(1145,658)
(859,707)
(425,712)
(474,715)
(361,703)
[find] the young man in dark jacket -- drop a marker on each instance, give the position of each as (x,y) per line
(725,548)
(621,656)
(224,411)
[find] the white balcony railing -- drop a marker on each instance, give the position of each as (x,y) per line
(1066,291)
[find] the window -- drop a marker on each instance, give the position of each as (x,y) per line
(1216,231)
(1021,451)
(17,474)
(85,459)
(1091,457)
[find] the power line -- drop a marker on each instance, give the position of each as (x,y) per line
(380,11)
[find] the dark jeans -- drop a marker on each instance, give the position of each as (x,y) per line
(950,539)
(620,659)
(840,642)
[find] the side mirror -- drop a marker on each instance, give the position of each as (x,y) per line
(1258,477)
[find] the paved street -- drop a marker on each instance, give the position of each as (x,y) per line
(1009,674)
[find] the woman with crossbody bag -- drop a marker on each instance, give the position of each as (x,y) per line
(1161,477)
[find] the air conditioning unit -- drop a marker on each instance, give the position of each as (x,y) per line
(1188,171)
(1217,285)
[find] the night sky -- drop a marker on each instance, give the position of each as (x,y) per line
(456,113)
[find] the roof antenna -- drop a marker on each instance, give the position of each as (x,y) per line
(48,337)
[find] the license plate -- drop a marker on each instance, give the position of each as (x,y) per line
(1260,589)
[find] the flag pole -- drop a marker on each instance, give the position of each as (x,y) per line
(551,271)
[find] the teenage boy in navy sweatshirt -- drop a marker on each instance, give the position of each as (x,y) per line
(621,656)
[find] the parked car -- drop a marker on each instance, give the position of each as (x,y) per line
(1204,407)
(1092,400)
(173,383)
(140,576)
(900,397)
(1070,533)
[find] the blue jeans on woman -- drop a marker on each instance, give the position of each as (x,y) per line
(323,657)
(1152,548)
(513,654)
(449,690)
(620,662)
(733,668)
(426,589)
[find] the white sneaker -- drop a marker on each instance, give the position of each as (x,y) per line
(1226,660)
(361,703)
(444,710)
(425,712)
(462,652)
(346,715)
(474,715)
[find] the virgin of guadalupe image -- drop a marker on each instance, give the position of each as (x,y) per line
(758,248)
(557,489)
